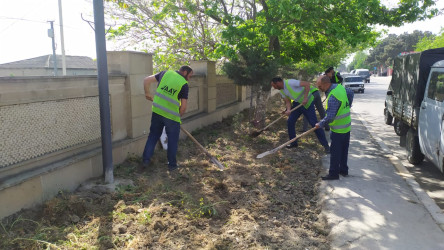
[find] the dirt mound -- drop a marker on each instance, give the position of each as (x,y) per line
(268,203)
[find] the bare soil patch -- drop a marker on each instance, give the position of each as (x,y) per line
(269,203)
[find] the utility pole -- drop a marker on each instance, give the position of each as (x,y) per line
(51,34)
(102,77)
(62,38)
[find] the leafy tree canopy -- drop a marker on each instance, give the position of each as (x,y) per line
(304,33)
(306,69)
(359,61)
(391,46)
(431,42)
(286,31)
(260,37)
(173,30)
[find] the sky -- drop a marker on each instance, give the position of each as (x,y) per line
(434,25)
(24,28)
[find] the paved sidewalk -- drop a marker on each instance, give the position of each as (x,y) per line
(376,207)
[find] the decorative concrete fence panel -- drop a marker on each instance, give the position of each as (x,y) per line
(195,103)
(226,91)
(45,115)
(34,129)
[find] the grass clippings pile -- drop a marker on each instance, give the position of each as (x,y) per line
(269,203)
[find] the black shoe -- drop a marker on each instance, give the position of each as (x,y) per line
(291,146)
(329,177)
(142,167)
(172,169)
(345,174)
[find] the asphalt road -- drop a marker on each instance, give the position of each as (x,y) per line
(370,107)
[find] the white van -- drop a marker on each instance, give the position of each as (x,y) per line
(431,122)
(364,73)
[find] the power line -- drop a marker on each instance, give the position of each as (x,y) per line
(30,9)
(22,19)
(16,20)
(27,20)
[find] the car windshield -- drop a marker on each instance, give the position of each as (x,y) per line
(363,73)
(353,79)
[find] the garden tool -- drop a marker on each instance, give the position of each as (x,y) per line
(256,133)
(212,159)
(285,144)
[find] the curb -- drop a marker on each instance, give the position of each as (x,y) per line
(435,211)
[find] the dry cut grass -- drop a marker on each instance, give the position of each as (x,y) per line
(269,203)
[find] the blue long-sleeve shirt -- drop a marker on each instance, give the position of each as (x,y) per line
(334,104)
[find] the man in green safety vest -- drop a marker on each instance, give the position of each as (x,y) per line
(169,104)
(335,77)
(339,101)
(300,92)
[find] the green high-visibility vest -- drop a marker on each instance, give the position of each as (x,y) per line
(298,96)
(313,89)
(342,122)
(336,77)
(166,102)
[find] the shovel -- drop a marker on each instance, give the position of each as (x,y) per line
(256,133)
(285,144)
(212,159)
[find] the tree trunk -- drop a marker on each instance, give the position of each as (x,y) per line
(259,110)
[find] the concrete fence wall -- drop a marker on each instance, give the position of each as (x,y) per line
(50,126)
(14,72)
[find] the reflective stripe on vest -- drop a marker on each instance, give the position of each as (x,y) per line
(299,96)
(166,101)
(166,110)
(342,121)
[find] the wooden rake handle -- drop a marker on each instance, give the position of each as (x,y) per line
(282,116)
(214,160)
(285,144)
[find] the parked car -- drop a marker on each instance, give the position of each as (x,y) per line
(354,82)
(364,73)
